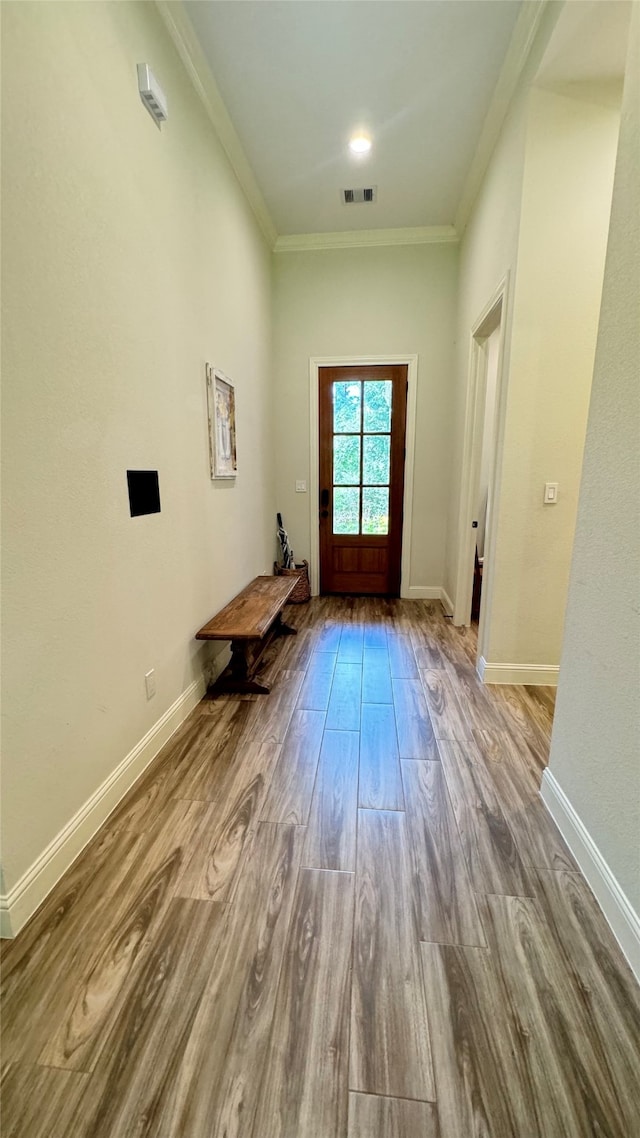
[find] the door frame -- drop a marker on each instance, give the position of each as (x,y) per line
(493,315)
(315,363)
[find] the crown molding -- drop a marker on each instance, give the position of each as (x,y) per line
(522,39)
(186,44)
(363,238)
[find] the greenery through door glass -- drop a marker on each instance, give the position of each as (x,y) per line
(346,509)
(377,405)
(376,459)
(347,399)
(346,460)
(375,509)
(361,456)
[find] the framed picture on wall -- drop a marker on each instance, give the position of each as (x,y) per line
(221,407)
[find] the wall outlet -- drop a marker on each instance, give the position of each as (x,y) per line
(150,683)
(301,486)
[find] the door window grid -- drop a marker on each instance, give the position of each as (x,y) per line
(361,456)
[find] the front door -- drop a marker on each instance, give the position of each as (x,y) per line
(362,440)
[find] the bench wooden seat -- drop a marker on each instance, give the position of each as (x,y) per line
(250,621)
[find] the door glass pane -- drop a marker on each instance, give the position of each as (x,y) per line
(346,406)
(375,458)
(346,510)
(377,405)
(346,459)
(375,509)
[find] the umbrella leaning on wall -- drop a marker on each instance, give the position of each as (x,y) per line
(302,591)
(287,552)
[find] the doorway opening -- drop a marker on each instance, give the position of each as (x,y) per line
(483,502)
(484,412)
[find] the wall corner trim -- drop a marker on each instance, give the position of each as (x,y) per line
(532,674)
(21,902)
(624,921)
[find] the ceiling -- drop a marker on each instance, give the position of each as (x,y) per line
(299,77)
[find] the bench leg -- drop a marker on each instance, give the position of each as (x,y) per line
(239,677)
(245,658)
(282,629)
(227,684)
(245,655)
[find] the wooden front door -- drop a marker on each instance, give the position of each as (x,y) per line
(362,440)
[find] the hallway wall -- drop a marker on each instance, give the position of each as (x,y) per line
(541,218)
(361,302)
(488,253)
(130,258)
(569,163)
(596,733)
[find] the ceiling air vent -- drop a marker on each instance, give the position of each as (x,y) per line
(355,197)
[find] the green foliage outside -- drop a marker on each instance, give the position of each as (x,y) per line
(361,407)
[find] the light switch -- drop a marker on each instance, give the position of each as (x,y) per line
(550,493)
(301,486)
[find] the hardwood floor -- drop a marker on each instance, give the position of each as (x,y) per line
(331,831)
(390,1053)
(304,1086)
(337,911)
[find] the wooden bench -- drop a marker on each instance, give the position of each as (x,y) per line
(250,621)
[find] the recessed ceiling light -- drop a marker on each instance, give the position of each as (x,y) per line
(360,144)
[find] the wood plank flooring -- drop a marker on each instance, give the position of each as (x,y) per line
(304,1086)
(390,1053)
(337,911)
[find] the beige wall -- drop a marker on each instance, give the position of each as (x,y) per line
(540,219)
(566,203)
(488,253)
(130,258)
(366,302)
(595,747)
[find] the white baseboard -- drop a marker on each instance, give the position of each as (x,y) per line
(624,921)
(429,593)
(19,904)
(447,603)
(5,918)
(422,593)
(533,674)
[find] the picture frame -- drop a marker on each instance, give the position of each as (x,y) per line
(221,410)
